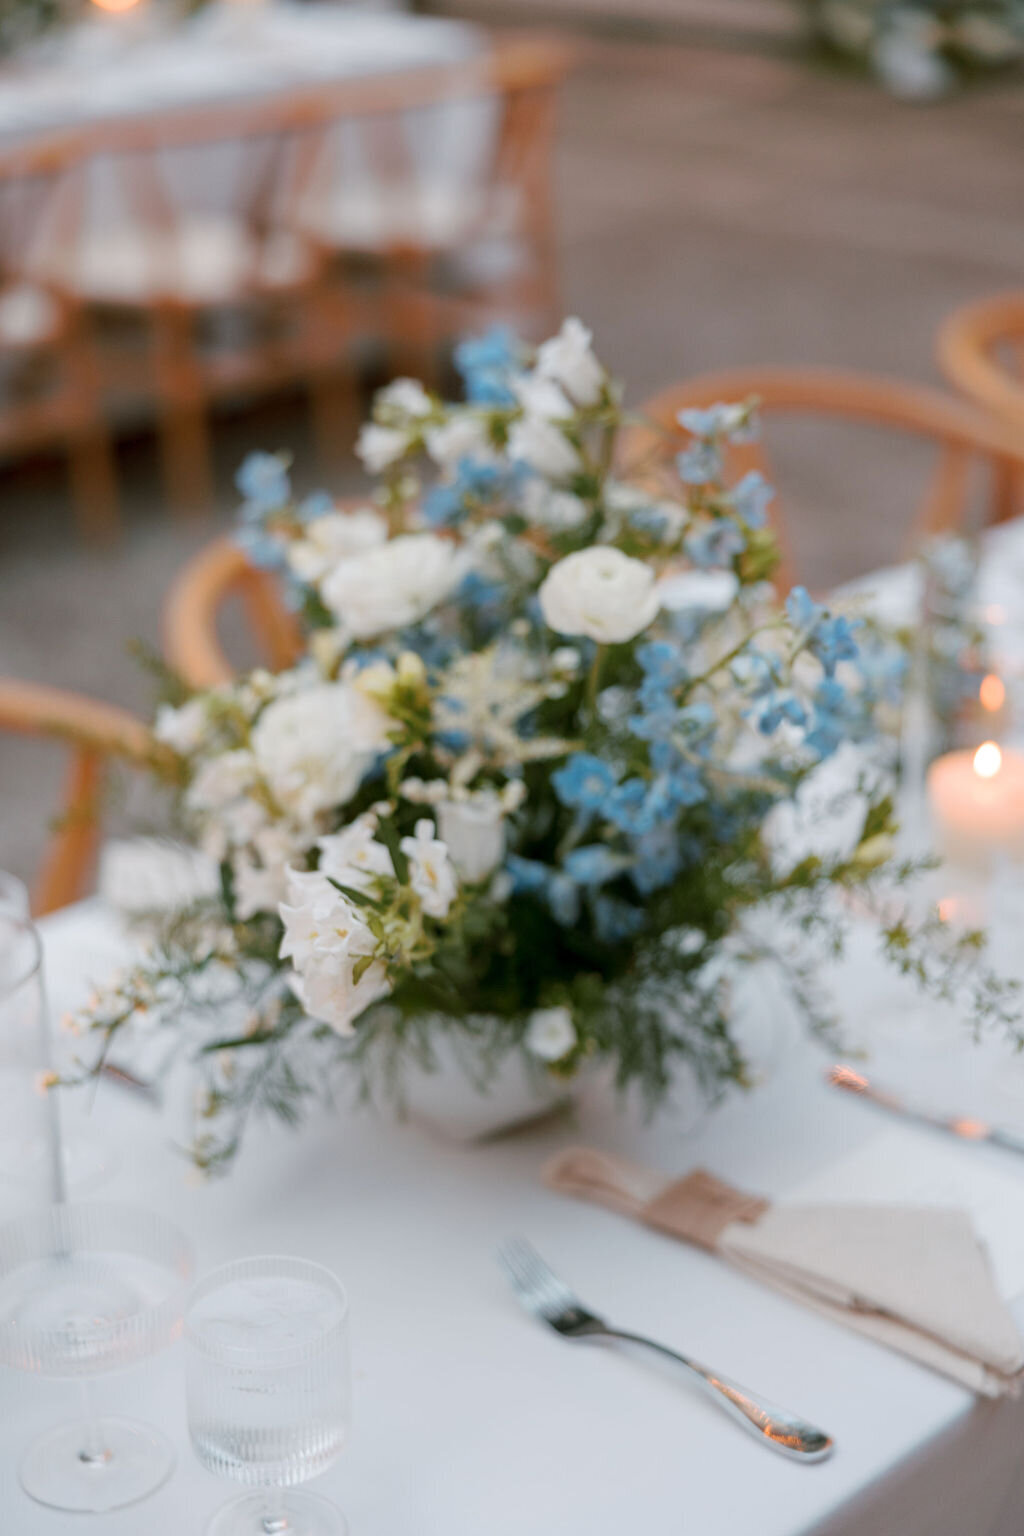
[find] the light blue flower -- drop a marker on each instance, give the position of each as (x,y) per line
(594,865)
(780,707)
(261,549)
(833,642)
(658,860)
(661,662)
(617,920)
(264,482)
(627,807)
(485,363)
(716,544)
(751,498)
(529,877)
(316,504)
(584,781)
(563,899)
(699,464)
(803,612)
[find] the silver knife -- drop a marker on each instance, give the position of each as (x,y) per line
(963,1126)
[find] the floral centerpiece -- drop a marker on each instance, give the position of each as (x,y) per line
(520,789)
(921,48)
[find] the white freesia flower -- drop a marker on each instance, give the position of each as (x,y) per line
(407,396)
(542,397)
(431,872)
(393,585)
(325,936)
(181,729)
(542,446)
(353,856)
(712,591)
(474,832)
(462,436)
(314,746)
(379,447)
(569,360)
(332,538)
(601,593)
(550,1033)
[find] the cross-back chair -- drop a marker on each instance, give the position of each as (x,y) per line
(960,433)
(196,604)
(94,734)
(981,352)
(48,362)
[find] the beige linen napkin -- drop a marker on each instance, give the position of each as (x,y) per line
(913,1277)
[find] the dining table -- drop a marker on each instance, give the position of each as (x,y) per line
(471,1418)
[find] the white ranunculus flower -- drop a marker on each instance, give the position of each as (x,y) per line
(407,396)
(353,856)
(431,872)
(713,591)
(601,593)
(460,437)
(568,359)
(544,447)
(314,746)
(550,1033)
(396,584)
(181,729)
(474,831)
(379,447)
(332,538)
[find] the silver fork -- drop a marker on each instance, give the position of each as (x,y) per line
(550,1300)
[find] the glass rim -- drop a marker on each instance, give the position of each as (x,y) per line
(272,1354)
(23,925)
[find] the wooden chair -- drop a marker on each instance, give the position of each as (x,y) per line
(196,602)
(981,352)
(961,434)
(48,361)
(452,250)
(94,733)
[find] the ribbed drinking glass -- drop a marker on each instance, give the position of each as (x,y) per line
(268,1379)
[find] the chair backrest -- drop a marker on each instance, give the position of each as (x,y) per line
(981,352)
(195,605)
(960,433)
(93,733)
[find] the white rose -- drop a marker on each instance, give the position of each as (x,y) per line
(353,856)
(543,447)
(407,396)
(396,584)
(713,591)
(332,538)
(181,729)
(474,831)
(460,437)
(314,746)
(550,1033)
(568,359)
(431,873)
(379,447)
(601,593)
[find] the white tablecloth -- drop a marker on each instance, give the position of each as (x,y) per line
(471,1420)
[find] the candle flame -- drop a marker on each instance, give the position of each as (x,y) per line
(115,5)
(992,693)
(987,760)
(947,909)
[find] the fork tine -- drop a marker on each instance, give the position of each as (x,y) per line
(537,1284)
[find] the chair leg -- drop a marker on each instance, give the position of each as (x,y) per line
(94,483)
(185,447)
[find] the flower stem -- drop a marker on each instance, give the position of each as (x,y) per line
(593,679)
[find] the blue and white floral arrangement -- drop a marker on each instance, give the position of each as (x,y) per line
(521,786)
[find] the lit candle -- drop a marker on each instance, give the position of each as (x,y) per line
(976,801)
(115,5)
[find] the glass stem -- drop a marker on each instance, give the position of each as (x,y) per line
(93,1453)
(275,1520)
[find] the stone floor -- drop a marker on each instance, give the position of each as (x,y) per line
(716,208)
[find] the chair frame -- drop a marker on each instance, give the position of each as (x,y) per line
(94,733)
(965,345)
(191,645)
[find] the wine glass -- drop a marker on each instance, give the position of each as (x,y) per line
(86,1289)
(30,1153)
(267,1376)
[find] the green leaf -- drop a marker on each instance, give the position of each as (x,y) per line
(357,898)
(387,833)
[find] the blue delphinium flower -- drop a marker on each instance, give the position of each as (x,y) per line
(484,364)
(557,889)
(661,662)
(801,609)
(658,860)
(832,722)
(316,504)
(780,707)
(529,876)
(716,543)
(751,497)
(833,642)
(584,782)
(699,463)
(264,482)
(627,807)
(616,920)
(733,422)
(594,865)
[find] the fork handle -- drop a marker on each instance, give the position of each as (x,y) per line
(783,1431)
